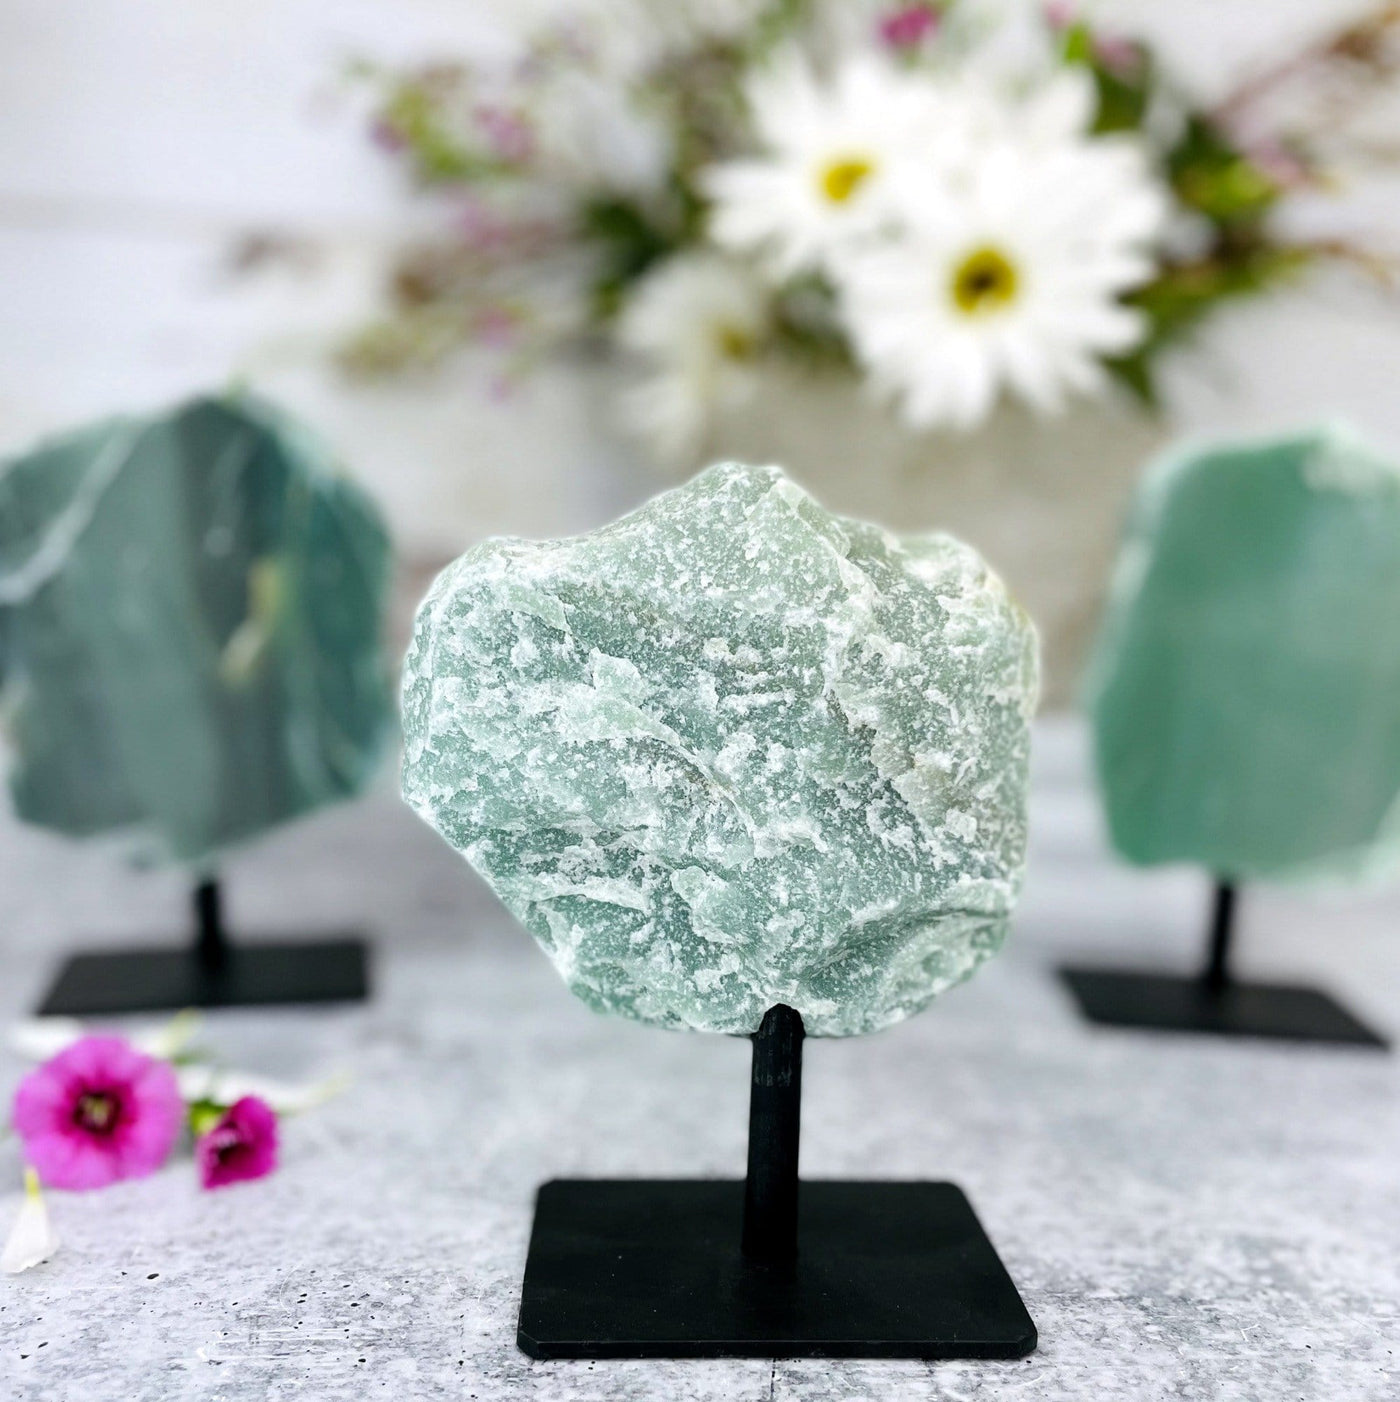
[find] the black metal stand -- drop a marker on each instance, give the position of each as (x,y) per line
(775,1129)
(1215,1001)
(211,972)
(761,1269)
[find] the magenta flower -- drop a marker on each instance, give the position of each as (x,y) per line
(241,1145)
(507,133)
(386,135)
(98,1112)
(906,28)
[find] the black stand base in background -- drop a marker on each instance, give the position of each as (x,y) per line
(1213,1001)
(1239,1010)
(212,972)
(766,1268)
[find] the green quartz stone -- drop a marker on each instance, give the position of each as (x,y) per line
(1246,690)
(732,751)
(190,618)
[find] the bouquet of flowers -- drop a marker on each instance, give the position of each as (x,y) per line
(957,201)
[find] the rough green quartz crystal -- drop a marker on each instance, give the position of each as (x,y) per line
(1246,691)
(190,612)
(732,751)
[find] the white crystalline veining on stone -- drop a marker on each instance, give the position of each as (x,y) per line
(50,553)
(732,751)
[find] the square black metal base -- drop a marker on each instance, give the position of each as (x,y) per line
(149,980)
(1122,999)
(652,1269)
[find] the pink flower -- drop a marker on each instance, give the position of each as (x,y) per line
(507,133)
(908,27)
(98,1112)
(1281,165)
(1119,56)
(241,1145)
(494,327)
(386,135)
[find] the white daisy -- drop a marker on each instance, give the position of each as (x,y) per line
(697,324)
(829,150)
(1007,278)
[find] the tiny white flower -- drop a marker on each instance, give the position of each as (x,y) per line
(32,1239)
(171,1039)
(1007,278)
(199,1082)
(828,150)
(696,323)
(41,1038)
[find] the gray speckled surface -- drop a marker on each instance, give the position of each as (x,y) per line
(1186,1219)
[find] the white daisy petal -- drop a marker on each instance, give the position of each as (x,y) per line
(1063,108)
(32,1239)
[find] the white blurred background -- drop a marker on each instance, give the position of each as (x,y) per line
(188,197)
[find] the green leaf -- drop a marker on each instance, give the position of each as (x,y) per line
(1122,101)
(1135,373)
(1123,89)
(1077,46)
(204,1115)
(412,114)
(806,324)
(775,24)
(1182,295)
(628,243)
(1212,176)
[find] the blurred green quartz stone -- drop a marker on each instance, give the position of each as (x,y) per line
(190,614)
(1246,691)
(732,751)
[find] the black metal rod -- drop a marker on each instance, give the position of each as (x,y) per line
(1216,974)
(775,1126)
(211,940)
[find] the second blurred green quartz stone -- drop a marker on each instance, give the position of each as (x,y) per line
(190,617)
(1246,693)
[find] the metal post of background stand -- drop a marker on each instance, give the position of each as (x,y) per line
(766,1267)
(1216,974)
(211,940)
(209,971)
(1215,1000)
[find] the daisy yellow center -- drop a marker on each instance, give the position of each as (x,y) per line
(735,343)
(842,176)
(985,281)
(96,1112)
